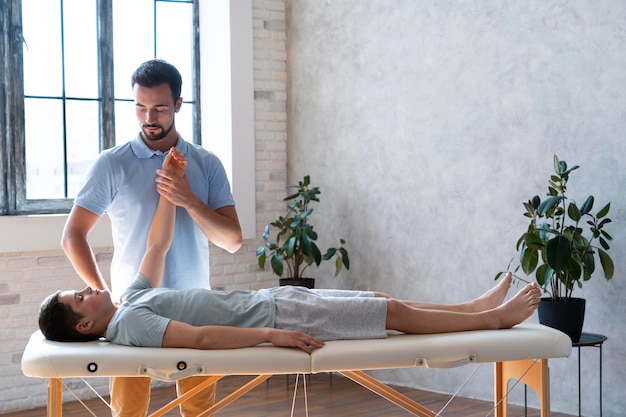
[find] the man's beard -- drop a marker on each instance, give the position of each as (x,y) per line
(156,135)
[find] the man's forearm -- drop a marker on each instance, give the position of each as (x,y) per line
(221,227)
(84,262)
(76,246)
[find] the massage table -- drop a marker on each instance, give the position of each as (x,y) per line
(519,353)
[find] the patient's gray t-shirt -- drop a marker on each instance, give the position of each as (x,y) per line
(145,311)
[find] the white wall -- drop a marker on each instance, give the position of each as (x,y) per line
(228,98)
(427,124)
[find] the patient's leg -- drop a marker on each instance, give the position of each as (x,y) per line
(487,301)
(409,319)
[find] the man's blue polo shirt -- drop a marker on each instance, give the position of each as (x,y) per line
(121,183)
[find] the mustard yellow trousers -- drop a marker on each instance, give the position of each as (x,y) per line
(130,396)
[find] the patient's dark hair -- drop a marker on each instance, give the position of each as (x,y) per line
(156,72)
(57,321)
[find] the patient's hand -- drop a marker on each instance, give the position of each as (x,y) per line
(171,181)
(175,163)
(292,338)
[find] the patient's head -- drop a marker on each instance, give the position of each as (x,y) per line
(75,316)
(57,321)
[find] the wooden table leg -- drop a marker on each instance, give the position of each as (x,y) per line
(534,373)
(55,397)
(388,393)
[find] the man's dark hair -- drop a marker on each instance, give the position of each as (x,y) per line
(156,72)
(57,321)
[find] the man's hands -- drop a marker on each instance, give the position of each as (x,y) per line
(292,338)
(220,226)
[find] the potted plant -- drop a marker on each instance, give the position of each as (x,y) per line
(294,243)
(561,246)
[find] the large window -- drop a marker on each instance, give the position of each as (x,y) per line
(65,89)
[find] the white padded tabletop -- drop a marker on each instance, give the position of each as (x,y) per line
(45,359)
(443,350)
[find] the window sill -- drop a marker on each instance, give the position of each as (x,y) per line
(43,233)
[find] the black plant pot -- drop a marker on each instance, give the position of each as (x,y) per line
(301,282)
(566,316)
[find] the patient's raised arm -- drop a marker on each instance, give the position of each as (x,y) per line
(162,227)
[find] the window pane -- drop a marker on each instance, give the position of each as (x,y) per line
(82,140)
(45,176)
(184,122)
(81,48)
(133,40)
(126,124)
(176,46)
(41,21)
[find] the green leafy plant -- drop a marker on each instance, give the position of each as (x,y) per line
(561,244)
(294,243)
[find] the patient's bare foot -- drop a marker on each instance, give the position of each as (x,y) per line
(494,297)
(518,308)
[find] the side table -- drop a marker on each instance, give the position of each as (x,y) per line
(586,339)
(593,340)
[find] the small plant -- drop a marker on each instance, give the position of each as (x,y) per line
(294,244)
(561,243)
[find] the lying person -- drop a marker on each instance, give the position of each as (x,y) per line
(284,316)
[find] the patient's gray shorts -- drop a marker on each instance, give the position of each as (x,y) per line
(331,314)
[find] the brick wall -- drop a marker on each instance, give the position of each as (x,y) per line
(26,278)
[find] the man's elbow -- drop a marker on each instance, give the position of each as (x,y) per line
(231,241)
(66,242)
(235,244)
(71,238)
(77,228)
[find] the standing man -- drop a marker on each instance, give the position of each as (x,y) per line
(122,183)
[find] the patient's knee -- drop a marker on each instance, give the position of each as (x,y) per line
(380,295)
